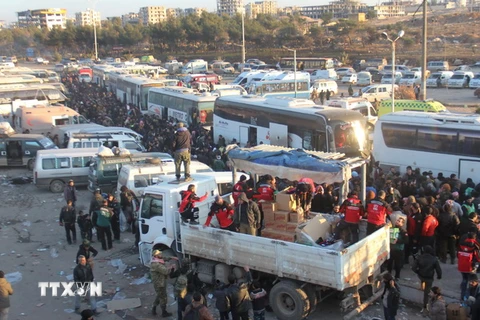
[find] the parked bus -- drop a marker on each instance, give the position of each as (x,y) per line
(440,142)
(281,88)
(20,79)
(100,74)
(307,64)
(133,89)
(295,123)
(182,104)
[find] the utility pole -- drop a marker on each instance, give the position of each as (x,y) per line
(423,92)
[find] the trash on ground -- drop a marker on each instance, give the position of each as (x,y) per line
(54,253)
(69,310)
(142,280)
(13,277)
(119,296)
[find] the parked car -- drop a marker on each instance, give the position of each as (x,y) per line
(343,71)
(364,78)
(350,78)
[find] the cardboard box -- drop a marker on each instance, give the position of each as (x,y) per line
(284,201)
(281,216)
(268,206)
(456,312)
(269,224)
(291,227)
(268,233)
(284,236)
(295,217)
(280,225)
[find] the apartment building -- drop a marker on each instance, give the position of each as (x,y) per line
(339,9)
(152,15)
(131,17)
(261,7)
(43,18)
(229,7)
(175,12)
(88,18)
(389,9)
(195,11)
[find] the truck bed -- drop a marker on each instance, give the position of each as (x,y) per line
(334,269)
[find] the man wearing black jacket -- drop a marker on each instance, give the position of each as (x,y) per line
(390,297)
(425,267)
(68,219)
(82,274)
(87,251)
(239,297)
(181,148)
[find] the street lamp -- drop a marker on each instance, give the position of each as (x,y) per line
(93,16)
(243,36)
(400,34)
(294,67)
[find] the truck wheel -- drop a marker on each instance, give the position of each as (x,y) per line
(30,164)
(57,186)
(289,301)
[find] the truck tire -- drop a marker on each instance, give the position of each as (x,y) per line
(57,186)
(289,301)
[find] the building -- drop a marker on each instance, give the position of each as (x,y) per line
(261,7)
(3,24)
(131,17)
(43,18)
(152,15)
(175,12)
(229,7)
(341,9)
(389,9)
(196,11)
(88,18)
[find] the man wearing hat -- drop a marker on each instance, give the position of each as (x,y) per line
(159,273)
(70,192)
(181,146)
(86,250)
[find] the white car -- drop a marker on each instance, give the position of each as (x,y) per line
(344,71)
(40,60)
(350,78)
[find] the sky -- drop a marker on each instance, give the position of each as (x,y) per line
(115,8)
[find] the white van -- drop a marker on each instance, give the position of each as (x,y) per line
(375,91)
(243,78)
(94,140)
(411,78)
(195,66)
(387,77)
(328,74)
(53,168)
(460,79)
(114,130)
(138,177)
(439,79)
(325,85)
(434,66)
(358,104)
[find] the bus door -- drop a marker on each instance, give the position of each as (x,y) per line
(468,168)
(278,134)
(243,135)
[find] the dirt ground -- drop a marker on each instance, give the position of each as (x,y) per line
(33,244)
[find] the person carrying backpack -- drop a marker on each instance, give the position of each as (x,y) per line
(197,310)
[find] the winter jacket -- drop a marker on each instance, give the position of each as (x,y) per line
(5,292)
(222,302)
(159,273)
(70,193)
(96,203)
(448,223)
(83,273)
(426,265)
(414,225)
(238,188)
(353,209)
(402,239)
(265,192)
(84,251)
(437,309)
(239,296)
(67,215)
(126,199)
(224,213)
(247,213)
(182,141)
(429,225)
(104,214)
(393,298)
(189,199)
(377,209)
(204,313)
(259,299)
(465,226)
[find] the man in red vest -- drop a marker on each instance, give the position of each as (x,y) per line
(377,210)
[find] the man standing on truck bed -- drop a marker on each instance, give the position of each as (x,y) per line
(247,215)
(224,213)
(181,146)
(377,210)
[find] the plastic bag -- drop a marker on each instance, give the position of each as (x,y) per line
(13,277)
(124,152)
(336,246)
(123,222)
(105,152)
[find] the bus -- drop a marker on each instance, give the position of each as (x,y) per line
(20,79)
(294,123)
(440,142)
(133,89)
(280,88)
(100,74)
(182,104)
(306,64)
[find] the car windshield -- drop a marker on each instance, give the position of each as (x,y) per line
(477,76)
(47,143)
(457,77)
(409,76)
(434,76)
(387,75)
(363,76)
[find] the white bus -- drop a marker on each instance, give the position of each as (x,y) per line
(133,89)
(307,64)
(100,74)
(182,104)
(294,123)
(440,142)
(281,88)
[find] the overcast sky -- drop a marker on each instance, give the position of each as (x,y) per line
(113,8)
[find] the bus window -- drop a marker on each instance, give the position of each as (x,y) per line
(77,145)
(307,140)
(401,137)
(433,140)
(469,145)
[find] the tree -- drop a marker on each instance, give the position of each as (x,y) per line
(326,17)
